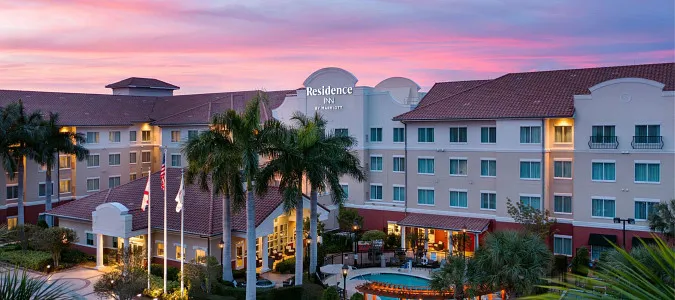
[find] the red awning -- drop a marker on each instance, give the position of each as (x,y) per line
(445,222)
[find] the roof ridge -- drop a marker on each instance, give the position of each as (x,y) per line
(184,111)
(590,68)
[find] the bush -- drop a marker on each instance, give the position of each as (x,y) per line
(74,257)
(10,247)
(331,293)
(157,287)
(372,235)
(31,259)
(114,285)
(239,274)
(335,243)
(356,296)
(285,266)
(580,262)
(171,272)
(393,241)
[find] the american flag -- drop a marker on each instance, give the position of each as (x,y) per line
(162,171)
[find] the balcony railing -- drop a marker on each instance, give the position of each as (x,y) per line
(647,142)
(603,142)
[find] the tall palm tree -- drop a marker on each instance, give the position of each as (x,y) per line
(52,142)
(213,157)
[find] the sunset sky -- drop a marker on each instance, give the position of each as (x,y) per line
(214,46)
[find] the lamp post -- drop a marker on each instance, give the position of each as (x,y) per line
(464,241)
(355,228)
(221,245)
(345,270)
(620,220)
(308,240)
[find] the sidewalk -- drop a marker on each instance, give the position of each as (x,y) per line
(80,280)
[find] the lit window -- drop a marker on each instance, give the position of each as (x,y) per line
(563,134)
(65,162)
(160,249)
(200,255)
(145,136)
(132,176)
(12,222)
(175,136)
(64,186)
(115,136)
(179,252)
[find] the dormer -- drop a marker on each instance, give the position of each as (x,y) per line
(136,86)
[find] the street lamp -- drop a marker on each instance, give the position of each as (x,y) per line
(355,228)
(345,270)
(308,240)
(221,245)
(620,220)
(464,241)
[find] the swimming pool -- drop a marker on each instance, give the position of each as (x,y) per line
(392,278)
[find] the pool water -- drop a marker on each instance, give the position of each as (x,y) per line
(394,279)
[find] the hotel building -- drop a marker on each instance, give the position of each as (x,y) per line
(588,145)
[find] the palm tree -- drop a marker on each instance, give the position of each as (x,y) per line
(52,142)
(213,157)
(19,285)
(451,276)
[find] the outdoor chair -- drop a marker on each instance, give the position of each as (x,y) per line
(288,282)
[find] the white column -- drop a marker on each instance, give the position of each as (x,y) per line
(426,239)
(99,251)
(450,244)
(476,242)
(265,255)
(403,237)
(126,243)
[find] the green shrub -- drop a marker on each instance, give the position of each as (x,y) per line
(42,224)
(335,243)
(285,266)
(331,293)
(356,296)
(74,256)
(286,293)
(372,235)
(580,262)
(11,247)
(157,286)
(171,272)
(238,274)
(236,293)
(31,259)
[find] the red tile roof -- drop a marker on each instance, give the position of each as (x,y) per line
(546,94)
(443,90)
(445,222)
(203,214)
(137,82)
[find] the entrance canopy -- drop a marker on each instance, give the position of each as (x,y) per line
(455,223)
(595,239)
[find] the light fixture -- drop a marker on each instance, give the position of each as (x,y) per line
(617,220)
(221,244)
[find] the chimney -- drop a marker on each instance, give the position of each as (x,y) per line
(136,86)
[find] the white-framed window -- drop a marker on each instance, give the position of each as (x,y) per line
(458,166)
(645,134)
(12,192)
(603,134)
(179,251)
(425,196)
(563,134)
(644,208)
(176,160)
(562,169)
(200,255)
(425,135)
(399,193)
(603,207)
(92,137)
(345,189)
(375,134)
(458,135)
(65,162)
(531,201)
(114,181)
(132,136)
(562,203)
(376,163)
(146,137)
(530,134)
(488,135)
(90,238)
(399,135)
(12,222)
(145,156)
(160,248)
(562,245)
(459,199)
(65,186)
(530,169)
(115,136)
(175,136)
(596,251)
(375,192)
(488,200)
(192,134)
(399,164)
(114,159)
(93,184)
(425,165)
(133,176)
(93,161)
(341,132)
(603,171)
(488,167)
(42,189)
(647,172)
(133,157)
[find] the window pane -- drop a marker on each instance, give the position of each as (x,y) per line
(610,171)
(654,172)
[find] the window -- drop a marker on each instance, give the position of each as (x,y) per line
(596,251)
(192,134)
(64,186)
(42,189)
(562,245)
(12,222)
(458,167)
(42,168)
(145,136)
(132,157)
(175,136)
(65,162)
(647,172)
(90,239)
(644,209)
(376,134)
(425,166)
(113,181)
(341,132)
(399,135)
(92,184)
(132,136)
(200,255)
(488,135)
(376,163)
(425,135)
(488,168)
(647,133)
(562,169)
(179,250)
(160,249)
(114,159)
(345,189)
(458,199)
(531,201)
(145,156)
(115,242)
(399,164)
(425,196)
(375,192)
(92,137)
(530,134)
(399,193)
(603,208)
(12,192)
(115,136)
(132,176)
(458,134)
(562,204)
(563,134)
(176,160)
(530,170)
(488,201)
(93,160)
(603,133)
(603,171)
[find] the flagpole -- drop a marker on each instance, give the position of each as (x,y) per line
(182,218)
(149,229)
(166,181)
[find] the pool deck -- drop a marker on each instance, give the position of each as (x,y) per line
(352,284)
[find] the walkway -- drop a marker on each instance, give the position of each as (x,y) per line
(79,279)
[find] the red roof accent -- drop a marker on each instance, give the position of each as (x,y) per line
(138,82)
(445,222)
(546,94)
(442,90)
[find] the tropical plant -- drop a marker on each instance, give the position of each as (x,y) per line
(642,253)
(331,293)
(512,261)
(54,240)
(347,217)
(201,277)
(372,235)
(532,219)
(52,142)
(662,220)
(213,158)
(121,285)
(451,276)
(580,262)
(18,285)
(459,244)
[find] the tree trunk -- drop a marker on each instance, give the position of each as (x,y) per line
(48,199)
(19,204)
(250,243)
(313,232)
(227,240)
(299,237)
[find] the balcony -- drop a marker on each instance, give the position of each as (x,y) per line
(603,142)
(647,142)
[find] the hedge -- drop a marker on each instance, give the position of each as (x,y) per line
(171,272)
(286,293)
(285,266)
(31,259)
